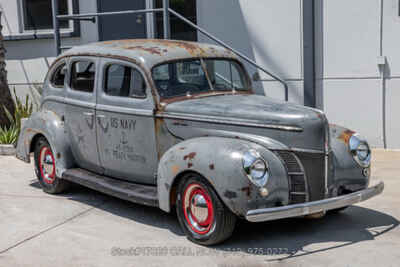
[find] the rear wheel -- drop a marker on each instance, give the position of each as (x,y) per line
(202,215)
(45,168)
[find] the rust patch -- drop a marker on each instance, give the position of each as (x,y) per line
(247,190)
(345,136)
(192,48)
(175,169)
(212,167)
(190,165)
(230,194)
(152,50)
(190,156)
(169,100)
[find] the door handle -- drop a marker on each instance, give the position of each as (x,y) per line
(89,114)
(101,116)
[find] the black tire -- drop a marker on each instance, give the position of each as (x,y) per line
(219,226)
(50,183)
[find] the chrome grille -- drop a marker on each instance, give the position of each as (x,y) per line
(298,191)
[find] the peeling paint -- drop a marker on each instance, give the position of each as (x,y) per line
(346,135)
(175,169)
(190,156)
(247,190)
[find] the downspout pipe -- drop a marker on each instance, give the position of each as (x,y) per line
(309,62)
(382,69)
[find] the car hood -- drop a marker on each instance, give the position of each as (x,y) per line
(293,125)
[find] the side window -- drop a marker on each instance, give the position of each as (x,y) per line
(58,77)
(124,81)
(82,76)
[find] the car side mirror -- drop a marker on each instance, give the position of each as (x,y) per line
(256,77)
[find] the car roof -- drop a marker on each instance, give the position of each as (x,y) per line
(150,52)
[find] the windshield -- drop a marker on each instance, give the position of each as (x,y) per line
(196,76)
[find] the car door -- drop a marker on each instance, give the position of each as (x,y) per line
(80,112)
(125,123)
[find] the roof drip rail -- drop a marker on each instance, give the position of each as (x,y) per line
(166,17)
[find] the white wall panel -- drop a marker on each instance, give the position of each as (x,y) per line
(393,113)
(267,31)
(357,105)
(9,18)
(351,37)
(391,35)
(276,91)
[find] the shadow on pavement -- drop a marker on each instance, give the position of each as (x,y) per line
(289,236)
(355,224)
(135,212)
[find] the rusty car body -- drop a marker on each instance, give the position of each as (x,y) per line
(176,124)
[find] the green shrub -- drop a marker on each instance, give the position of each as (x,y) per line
(22,110)
(9,136)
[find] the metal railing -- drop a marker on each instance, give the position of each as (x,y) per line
(166,26)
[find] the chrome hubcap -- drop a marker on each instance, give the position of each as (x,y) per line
(198,209)
(47,166)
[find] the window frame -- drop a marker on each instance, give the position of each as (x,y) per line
(54,71)
(73,26)
(132,66)
(70,66)
(240,64)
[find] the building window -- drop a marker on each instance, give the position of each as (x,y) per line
(179,29)
(38,15)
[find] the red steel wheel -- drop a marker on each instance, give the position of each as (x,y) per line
(47,165)
(45,168)
(204,218)
(198,208)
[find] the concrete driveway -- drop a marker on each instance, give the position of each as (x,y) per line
(86,228)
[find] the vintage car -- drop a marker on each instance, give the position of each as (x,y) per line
(176,125)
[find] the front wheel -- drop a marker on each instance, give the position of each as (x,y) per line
(45,168)
(201,214)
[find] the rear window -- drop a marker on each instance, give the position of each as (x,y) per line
(58,77)
(82,76)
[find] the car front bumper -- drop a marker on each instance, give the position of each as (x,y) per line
(269,214)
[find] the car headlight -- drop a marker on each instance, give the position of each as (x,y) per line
(360,150)
(256,168)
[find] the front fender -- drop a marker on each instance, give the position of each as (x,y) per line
(345,172)
(219,161)
(48,124)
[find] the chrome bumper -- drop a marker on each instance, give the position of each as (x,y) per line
(262,215)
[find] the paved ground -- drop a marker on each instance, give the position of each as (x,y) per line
(86,228)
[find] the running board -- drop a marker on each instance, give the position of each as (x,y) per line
(137,193)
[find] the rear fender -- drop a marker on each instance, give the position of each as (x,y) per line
(48,124)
